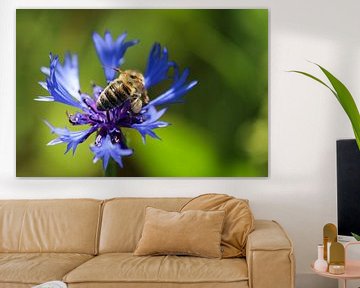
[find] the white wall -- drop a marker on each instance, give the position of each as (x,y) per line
(305,120)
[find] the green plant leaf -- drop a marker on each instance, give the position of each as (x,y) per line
(344,97)
(347,102)
(316,79)
(356,236)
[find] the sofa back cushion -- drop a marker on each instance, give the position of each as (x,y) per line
(123,220)
(238,224)
(67,226)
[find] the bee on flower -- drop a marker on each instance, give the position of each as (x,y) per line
(123,102)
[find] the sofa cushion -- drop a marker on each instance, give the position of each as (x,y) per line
(126,268)
(63,226)
(36,268)
(193,232)
(238,223)
(123,218)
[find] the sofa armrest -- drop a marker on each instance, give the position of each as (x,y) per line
(269,256)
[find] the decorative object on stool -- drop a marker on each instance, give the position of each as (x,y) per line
(340,266)
(337,258)
(329,236)
(333,251)
(320,264)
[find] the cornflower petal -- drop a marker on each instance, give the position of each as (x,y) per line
(157,66)
(62,82)
(176,91)
(72,138)
(97,91)
(45,70)
(152,116)
(106,149)
(68,75)
(43,85)
(111,53)
(45,98)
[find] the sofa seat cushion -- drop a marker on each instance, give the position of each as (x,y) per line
(127,268)
(36,268)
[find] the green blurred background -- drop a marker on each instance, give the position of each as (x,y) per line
(222,128)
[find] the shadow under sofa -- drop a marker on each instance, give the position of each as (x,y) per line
(90,243)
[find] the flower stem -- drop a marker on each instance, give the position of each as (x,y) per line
(112,169)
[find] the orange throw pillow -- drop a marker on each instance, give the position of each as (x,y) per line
(238,224)
(196,233)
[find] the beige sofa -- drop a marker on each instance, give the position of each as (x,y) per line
(89,243)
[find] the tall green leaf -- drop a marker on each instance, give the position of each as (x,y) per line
(357,237)
(344,97)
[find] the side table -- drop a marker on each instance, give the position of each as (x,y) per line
(352,268)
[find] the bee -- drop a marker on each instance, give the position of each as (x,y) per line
(129,86)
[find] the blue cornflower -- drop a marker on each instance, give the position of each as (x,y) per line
(62,83)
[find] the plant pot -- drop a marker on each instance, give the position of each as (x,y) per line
(348,186)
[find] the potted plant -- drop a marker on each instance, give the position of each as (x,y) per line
(344,97)
(348,158)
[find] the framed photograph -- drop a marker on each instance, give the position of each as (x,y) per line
(142,93)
